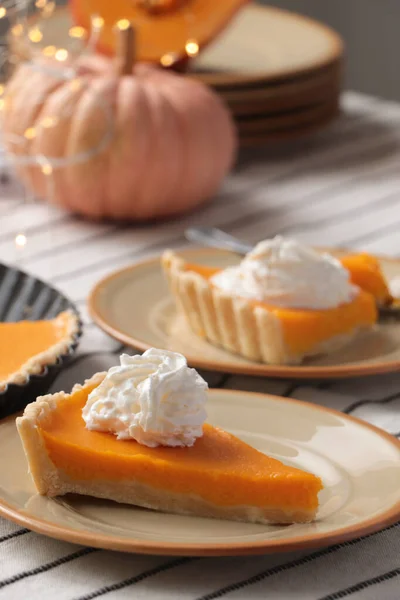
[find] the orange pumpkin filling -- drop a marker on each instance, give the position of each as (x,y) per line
(20,342)
(366,273)
(219,468)
(305,329)
(163,26)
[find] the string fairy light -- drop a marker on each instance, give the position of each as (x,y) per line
(97,22)
(49,51)
(167,60)
(123,24)
(48,9)
(75,84)
(62,67)
(77,32)
(17,30)
(192,48)
(20,240)
(35,35)
(48,122)
(47,169)
(61,54)
(30,133)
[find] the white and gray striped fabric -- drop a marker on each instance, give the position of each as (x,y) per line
(341,187)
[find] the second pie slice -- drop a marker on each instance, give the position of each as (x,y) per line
(283,303)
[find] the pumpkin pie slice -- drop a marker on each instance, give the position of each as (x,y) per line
(26,347)
(219,476)
(272,334)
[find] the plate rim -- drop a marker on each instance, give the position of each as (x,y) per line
(350,532)
(255,369)
(13,397)
(228,80)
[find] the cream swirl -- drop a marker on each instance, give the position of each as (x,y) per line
(155,399)
(285,273)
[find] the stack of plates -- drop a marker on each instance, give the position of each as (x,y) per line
(279,72)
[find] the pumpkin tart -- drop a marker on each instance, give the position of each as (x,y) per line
(26,347)
(219,476)
(273,334)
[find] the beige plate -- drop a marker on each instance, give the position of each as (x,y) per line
(361,492)
(264,136)
(135,307)
(286,121)
(283,101)
(265,44)
(284,136)
(304,87)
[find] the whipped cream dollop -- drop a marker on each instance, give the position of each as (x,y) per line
(155,399)
(283,272)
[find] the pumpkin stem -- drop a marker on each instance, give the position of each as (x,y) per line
(126,48)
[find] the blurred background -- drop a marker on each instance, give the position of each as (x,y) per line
(370,31)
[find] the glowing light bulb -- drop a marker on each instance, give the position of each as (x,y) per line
(77,32)
(192,48)
(97,22)
(123,24)
(48,8)
(48,122)
(17,30)
(35,35)
(168,59)
(61,55)
(3,12)
(30,133)
(49,51)
(47,169)
(20,240)
(75,84)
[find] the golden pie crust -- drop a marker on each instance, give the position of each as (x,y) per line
(68,321)
(239,325)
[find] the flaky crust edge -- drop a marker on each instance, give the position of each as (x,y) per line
(233,323)
(50,356)
(51,482)
(45,475)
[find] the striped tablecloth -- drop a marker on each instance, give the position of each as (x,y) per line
(341,187)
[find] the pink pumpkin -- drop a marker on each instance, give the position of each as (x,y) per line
(135,146)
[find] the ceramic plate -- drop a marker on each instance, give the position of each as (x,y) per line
(277,135)
(265,44)
(23,296)
(154,322)
(361,492)
(289,120)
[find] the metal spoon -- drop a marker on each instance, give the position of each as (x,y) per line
(216,238)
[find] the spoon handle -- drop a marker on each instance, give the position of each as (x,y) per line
(211,236)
